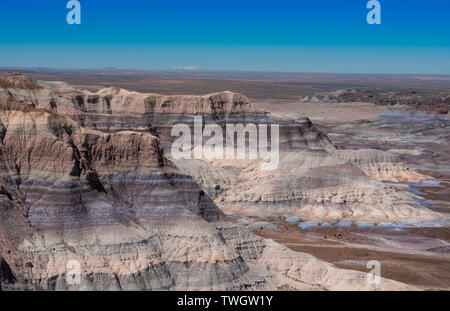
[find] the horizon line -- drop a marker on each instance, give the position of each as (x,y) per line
(192,71)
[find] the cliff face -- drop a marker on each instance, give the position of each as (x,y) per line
(111,201)
(132,218)
(115,109)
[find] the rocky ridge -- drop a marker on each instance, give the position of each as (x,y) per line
(421,100)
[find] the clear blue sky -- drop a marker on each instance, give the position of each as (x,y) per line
(281,35)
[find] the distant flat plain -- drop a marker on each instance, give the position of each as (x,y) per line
(255,85)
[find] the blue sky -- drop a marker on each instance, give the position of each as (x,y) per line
(283,35)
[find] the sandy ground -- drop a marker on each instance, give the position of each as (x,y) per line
(322,112)
(353,250)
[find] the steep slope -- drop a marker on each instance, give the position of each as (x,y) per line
(112,202)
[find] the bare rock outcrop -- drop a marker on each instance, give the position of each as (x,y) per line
(314,179)
(84,179)
(116,206)
(112,202)
(115,109)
